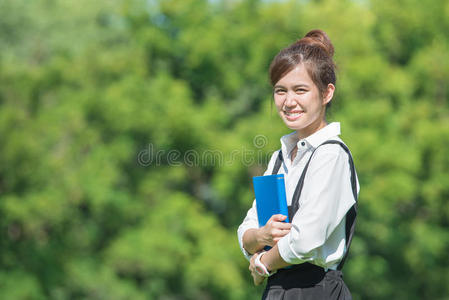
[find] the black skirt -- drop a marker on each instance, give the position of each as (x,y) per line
(306,281)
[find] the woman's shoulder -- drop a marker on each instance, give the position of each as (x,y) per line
(272,161)
(334,147)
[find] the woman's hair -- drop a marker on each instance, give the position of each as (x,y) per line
(315,51)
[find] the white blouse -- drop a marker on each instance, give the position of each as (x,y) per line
(318,227)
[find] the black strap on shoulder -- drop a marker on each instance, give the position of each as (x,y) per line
(352,212)
(278,163)
(350,215)
(276,167)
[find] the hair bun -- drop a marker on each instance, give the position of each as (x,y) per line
(320,39)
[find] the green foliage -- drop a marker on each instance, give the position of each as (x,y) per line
(129,141)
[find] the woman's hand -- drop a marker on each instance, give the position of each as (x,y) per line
(255,239)
(258,279)
(273,230)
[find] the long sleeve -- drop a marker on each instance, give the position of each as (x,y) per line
(325,200)
(251,220)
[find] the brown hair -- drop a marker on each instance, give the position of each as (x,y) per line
(315,51)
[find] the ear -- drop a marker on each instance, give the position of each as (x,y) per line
(329,94)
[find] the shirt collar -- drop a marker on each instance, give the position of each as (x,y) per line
(289,141)
(331,130)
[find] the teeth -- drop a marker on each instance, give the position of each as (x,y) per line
(292,114)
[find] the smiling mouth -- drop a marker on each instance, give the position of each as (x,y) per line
(295,113)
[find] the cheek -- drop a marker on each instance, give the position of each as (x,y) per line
(314,102)
(279,102)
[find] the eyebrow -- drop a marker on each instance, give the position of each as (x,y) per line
(294,87)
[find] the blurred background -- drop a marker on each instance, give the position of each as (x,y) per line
(130,131)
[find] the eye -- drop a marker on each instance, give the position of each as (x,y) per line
(300,91)
(279,91)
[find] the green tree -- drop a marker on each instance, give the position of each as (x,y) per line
(110,113)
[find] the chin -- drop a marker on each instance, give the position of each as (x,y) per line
(293,125)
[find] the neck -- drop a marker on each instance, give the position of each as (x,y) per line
(303,133)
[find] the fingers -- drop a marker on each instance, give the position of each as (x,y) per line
(251,262)
(274,228)
(279,232)
(276,221)
(257,279)
(278,218)
(277,235)
(252,268)
(282,225)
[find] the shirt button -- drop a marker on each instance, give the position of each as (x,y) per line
(303,144)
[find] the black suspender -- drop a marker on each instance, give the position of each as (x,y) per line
(278,163)
(352,212)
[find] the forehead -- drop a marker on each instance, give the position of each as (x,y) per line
(298,75)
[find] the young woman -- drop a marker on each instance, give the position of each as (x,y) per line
(307,254)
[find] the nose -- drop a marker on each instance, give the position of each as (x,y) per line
(290,99)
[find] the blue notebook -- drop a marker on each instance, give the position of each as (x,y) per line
(270,197)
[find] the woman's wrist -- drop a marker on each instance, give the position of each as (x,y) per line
(253,240)
(273,260)
(261,268)
(263,260)
(260,238)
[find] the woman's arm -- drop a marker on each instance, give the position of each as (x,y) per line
(271,259)
(251,238)
(251,241)
(254,240)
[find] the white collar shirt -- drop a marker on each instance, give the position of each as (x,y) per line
(318,228)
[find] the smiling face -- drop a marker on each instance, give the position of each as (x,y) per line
(299,102)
